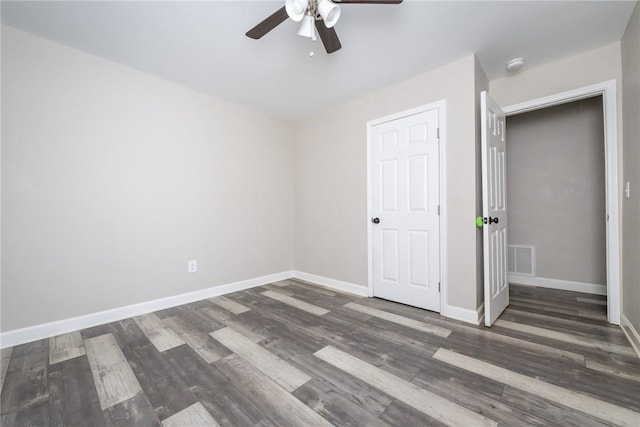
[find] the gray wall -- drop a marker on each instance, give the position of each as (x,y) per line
(631,138)
(331,179)
(556,189)
(112,179)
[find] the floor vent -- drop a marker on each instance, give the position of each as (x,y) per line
(522,259)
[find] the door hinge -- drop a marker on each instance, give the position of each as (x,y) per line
(438,210)
(438,132)
(438,286)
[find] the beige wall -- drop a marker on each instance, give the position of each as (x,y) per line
(631,135)
(331,179)
(556,191)
(112,179)
(594,66)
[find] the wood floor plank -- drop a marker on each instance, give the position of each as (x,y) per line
(581,402)
(5,357)
(73,399)
(287,376)
(401,414)
(25,394)
(113,378)
(565,337)
(164,388)
(592,301)
(606,330)
(157,332)
(229,305)
(293,302)
(136,411)
(200,342)
(221,398)
(65,347)
(551,413)
(608,369)
(541,349)
(194,416)
(400,320)
(332,404)
(280,405)
(431,404)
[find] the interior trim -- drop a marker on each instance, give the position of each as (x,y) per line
(51,329)
(566,285)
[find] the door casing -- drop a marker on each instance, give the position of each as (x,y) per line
(608,92)
(441,107)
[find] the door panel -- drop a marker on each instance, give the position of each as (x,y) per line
(494,201)
(405,197)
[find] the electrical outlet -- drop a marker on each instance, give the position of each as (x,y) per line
(192,266)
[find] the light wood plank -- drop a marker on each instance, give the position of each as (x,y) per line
(193,416)
(424,401)
(601,367)
(287,376)
(229,305)
(517,342)
(199,342)
(162,337)
(400,320)
(568,338)
(277,403)
(578,401)
(65,347)
(293,302)
(112,375)
(566,322)
(5,357)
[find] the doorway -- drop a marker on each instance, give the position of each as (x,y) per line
(556,193)
(606,94)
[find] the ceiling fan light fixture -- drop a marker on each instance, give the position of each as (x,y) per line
(329,11)
(296,9)
(308,28)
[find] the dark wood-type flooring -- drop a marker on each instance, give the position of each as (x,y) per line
(295,354)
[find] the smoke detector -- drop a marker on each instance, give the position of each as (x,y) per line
(515,65)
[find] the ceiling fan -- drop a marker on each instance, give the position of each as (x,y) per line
(317,17)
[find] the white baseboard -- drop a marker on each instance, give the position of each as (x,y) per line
(46,330)
(567,285)
(332,283)
(464,314)
(631,333)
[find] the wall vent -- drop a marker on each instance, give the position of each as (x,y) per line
(522,259)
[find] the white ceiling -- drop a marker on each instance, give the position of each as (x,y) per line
(202,44)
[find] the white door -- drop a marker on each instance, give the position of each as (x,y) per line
(405,208)
(494,209)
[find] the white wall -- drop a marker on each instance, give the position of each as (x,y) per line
(331,179)
(556,189)
(112,179)
(631,207)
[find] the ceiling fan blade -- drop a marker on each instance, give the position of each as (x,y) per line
(328,36)
(272,21)
(368,1)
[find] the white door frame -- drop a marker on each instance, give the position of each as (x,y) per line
(441,107)
(608,92)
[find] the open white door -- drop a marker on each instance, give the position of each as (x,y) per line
(494,209)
